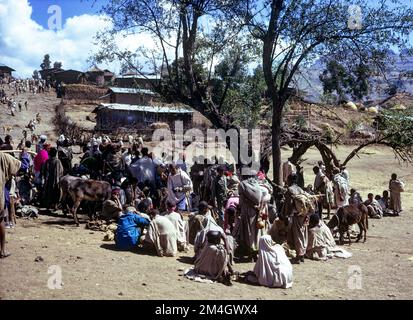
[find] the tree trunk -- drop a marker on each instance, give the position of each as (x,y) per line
(276,143)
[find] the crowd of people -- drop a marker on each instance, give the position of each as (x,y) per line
(163,206)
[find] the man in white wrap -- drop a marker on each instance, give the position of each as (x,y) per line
(161,235)
(179,187)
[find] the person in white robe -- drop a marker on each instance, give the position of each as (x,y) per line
(179,224)
(321,244)
(161,235)
(273,268)
(179,186)
(341,189)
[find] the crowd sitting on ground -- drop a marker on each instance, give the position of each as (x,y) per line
(163,206)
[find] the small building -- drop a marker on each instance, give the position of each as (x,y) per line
(69,76)
(108,76)
(130,95)
(48,74)
(5,72)
(112,116)
(137,81)
(96,76)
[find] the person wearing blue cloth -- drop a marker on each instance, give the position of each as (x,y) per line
(129,231)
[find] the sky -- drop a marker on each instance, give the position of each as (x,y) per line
(26,36)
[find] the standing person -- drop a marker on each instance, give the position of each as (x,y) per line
(38,161)
(341,188)
(220,191)
(181,162)
(144,171)
(179,185)
(322,166)
(322,185)
(299,230)
(20,106)
(25,105)
(52,172)
(42,141)
(396,186)
(8,166)
(288,168)
(250,225)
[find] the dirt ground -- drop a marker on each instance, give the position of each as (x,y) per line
(92,268)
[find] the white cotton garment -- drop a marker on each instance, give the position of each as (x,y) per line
(273,269)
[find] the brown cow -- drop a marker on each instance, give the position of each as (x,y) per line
(90,190)
(347,216)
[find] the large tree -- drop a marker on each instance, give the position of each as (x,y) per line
(46,64)
(294,33)
(291,34)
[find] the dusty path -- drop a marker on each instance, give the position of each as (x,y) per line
(43,103)
(92,269)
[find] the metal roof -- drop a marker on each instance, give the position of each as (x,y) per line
(131,90)
(138,76)
(151,109)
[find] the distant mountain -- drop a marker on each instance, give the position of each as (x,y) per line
(399,74)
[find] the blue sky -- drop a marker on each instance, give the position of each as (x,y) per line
(70,8)
(25,36)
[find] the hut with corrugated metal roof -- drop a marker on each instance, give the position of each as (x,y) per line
(112,116)
(130,95)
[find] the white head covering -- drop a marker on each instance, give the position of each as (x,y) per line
(61,138)
(273,269)
(43,137)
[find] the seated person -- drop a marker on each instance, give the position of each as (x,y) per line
(374,207)
(355,197)
(128,233)
(384,202)
(161,235)
(197,220)
(320,239)
(273,269)
(214,260)
(178,222)
(112,208)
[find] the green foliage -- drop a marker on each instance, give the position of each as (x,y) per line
(353,125)
(343,80)
(301,122)
(35,75)
(46,64)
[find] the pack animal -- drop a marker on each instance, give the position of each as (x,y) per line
(64,184)
(90,190)
(347,216)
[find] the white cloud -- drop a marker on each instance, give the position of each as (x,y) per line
(23,42)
